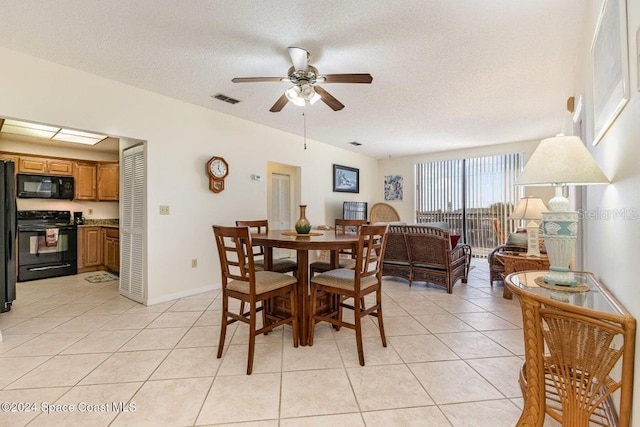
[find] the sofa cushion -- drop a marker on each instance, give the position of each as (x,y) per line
(517,239)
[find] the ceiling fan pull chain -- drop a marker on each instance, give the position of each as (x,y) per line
(304,122)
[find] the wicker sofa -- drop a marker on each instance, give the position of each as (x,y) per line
(424,253)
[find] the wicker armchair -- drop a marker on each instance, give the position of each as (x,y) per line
(432,258)
(496,267)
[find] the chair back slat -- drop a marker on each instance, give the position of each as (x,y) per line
(236,254)
(371,246)
(259,226)
(344,226)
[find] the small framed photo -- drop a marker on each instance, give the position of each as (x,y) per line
(346,179)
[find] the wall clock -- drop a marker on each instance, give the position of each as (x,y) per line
(217,169)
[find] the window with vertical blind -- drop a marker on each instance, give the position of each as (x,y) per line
(475,196)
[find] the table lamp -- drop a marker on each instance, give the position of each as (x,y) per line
(530,208)
(560,161)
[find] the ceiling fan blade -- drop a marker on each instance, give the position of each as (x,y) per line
(347,78)
(299,58)
(279,105)
(328,99)
(259,79)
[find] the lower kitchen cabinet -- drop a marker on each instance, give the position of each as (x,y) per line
(111,239)
(89,247)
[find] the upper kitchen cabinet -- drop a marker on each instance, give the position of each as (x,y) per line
(43,165)
(10,158)
(85,174)
(108,181)
(96,181)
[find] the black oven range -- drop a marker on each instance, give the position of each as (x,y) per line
(47,245)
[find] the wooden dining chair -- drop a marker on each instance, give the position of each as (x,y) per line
(356,283)
(347,256)
(241,281)
(278,265)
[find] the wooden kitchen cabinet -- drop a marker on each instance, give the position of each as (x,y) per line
(44,165)
(85,174)
(89,247)
(111,251)
(108,181)
(10,158)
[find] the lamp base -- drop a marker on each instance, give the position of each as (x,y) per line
(560,231)
(560,276)
(533,239)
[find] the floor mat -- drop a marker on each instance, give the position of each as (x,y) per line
(102,277)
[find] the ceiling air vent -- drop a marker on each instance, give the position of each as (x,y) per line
(355,143)
(225,98)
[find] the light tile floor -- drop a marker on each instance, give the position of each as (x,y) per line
(70,344)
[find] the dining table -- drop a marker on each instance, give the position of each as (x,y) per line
(302,244)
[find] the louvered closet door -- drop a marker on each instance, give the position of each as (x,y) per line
(132,250)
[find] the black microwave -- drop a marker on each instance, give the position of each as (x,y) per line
(45,187)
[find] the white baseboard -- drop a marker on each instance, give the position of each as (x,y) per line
(178,295)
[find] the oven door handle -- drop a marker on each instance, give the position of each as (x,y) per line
(50,267)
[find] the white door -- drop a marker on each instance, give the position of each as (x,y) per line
(132,223)
(280,208)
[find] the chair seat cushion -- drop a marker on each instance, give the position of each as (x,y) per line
(343,278)
(265,281)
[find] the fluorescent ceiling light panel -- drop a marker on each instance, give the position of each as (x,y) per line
(19,130)
(51,132)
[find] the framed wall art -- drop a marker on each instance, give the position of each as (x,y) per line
(393,187)
(346,179)
(638,56)
(610,66)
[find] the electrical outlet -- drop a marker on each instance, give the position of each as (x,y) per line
(164,209)
(90,211)
(194,263)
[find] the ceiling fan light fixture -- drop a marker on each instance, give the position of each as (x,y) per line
(315,98)
(293,95)
(307,92)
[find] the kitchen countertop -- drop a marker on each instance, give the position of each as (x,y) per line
(109,223)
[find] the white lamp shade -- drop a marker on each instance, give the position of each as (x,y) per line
(561,160)
(529,208)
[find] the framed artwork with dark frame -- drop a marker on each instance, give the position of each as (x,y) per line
(346,179)
(610,66)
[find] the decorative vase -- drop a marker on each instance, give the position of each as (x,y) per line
(303,226)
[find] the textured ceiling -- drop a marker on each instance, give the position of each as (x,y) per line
(447,74)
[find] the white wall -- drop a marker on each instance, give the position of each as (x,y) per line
(180,139)
(405,166)
(612,233)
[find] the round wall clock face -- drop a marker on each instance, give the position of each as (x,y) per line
(218,168)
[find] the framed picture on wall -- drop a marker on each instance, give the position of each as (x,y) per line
(610,66)
(393,187)
(346,179)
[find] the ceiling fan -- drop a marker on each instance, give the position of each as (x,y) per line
(305,79)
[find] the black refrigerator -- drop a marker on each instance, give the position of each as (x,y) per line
(8,234)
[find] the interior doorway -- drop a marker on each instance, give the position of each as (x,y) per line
(283,194)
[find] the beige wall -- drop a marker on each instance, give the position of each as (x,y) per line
(612,230)
(180,138)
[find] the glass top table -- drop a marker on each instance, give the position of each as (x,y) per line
(586,335)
